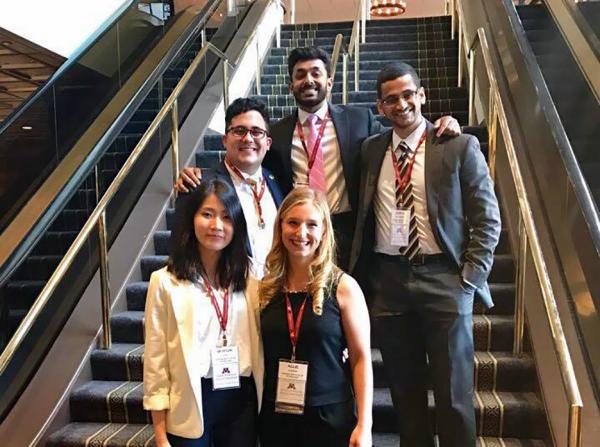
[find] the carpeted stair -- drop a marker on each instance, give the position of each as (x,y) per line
(107,411)
(575,103)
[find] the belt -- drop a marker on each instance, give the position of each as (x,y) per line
(418,259)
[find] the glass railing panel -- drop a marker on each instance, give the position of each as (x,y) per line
(48,253)
(42,132)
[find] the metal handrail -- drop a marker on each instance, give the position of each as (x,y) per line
(353,49)
(98,216)
(528,235)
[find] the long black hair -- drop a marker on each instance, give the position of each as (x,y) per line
(184,261)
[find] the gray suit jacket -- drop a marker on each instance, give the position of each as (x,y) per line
(463,210)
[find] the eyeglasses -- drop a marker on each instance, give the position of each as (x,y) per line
(240,131)
(406,95)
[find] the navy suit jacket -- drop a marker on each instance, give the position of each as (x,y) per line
(352,125)
(272,185)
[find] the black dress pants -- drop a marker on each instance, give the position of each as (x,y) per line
(422,317)
(343,227)
(230,417)
(320,426)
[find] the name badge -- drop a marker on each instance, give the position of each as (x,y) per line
(291,387)
(225,367)
(400,227)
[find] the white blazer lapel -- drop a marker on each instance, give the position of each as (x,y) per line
(184,300)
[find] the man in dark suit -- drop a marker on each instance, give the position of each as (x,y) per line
(246,142)
(329,162)
(428,223)
(343,128)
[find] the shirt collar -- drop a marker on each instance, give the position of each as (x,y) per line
(256,177)
(321,113)
(413,139)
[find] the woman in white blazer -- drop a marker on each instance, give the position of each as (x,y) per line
(201,326)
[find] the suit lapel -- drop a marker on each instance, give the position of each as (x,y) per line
(222,171)
(376,156)
(433,164)
(184,310)
(273,187)
(286,144)
(342,132)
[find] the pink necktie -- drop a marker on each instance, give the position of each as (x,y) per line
(316,178)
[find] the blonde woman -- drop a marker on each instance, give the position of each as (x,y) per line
(312,312)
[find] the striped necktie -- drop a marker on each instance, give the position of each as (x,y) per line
(405,199)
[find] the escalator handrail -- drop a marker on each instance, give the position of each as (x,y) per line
(72,60)
(560,345)
(18,240)
(169,107)
(582,191)
(581,39)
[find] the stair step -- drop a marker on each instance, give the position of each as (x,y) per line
(490,332)
(430,85)
(80,434)
(390,37)
(513,415)
(506,413)
(449,62)
(392,440)
(109,401)
(499,371)
(20,294)
(399,28)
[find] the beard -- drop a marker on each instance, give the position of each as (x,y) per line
(312,101)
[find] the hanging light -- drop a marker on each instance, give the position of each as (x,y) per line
(387,8)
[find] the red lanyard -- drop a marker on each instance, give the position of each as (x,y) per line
(255,193)
(312,155)
(402,182)
(221,316)
(294,326)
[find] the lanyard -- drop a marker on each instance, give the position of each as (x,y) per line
(402,182)
(294,326)
(255,193)
(312,155)
(221,316)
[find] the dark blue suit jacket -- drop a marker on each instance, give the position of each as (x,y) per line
(222,172)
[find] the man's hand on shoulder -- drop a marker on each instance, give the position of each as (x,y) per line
(188,178)
(447,126)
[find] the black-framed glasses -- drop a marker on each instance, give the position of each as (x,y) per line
(240,131)
(406,96)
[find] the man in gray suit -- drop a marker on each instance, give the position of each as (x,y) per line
(428,223)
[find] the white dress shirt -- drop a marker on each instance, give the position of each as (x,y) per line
(260,239)
(337,193)
(385,198)
(208,328)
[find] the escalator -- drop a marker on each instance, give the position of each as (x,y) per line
(84,123)
(576,104)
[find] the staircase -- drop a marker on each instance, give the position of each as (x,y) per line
(575,103)
(108,410)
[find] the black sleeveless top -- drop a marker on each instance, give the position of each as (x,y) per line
(320,343)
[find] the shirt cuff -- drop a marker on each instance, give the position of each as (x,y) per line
(469,283)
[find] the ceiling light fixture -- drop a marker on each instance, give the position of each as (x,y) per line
(26,128)
(387,8)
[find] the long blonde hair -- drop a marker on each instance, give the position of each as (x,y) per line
(322,266)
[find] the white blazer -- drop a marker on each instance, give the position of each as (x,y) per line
(173,360)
